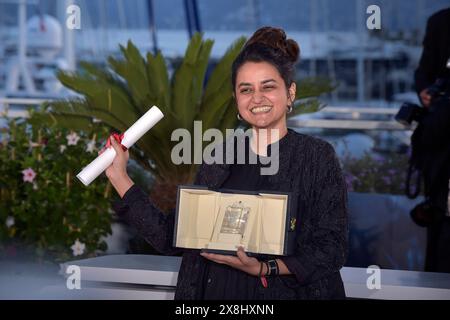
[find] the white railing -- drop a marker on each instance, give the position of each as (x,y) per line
(357,111)
(14,108)
(346,124)
(354,122)
(17,107)
(116,277)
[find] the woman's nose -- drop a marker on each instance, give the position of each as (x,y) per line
(258,97)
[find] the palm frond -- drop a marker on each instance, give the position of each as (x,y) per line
(314,87)
(218,91)
(305,106)
(133,71)
(188,80)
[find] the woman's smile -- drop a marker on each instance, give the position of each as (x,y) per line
(257,110)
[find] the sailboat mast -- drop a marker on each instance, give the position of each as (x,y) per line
(360,51)
(152,25)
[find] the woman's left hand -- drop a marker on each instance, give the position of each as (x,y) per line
(242,261)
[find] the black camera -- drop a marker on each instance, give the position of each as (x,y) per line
(410,112)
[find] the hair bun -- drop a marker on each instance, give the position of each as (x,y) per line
(292,49)
(276,38)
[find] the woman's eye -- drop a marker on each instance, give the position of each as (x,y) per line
(246,90)
(268,87)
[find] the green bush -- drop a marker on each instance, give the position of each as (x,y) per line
(43,206)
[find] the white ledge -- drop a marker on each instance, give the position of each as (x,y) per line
(147,276)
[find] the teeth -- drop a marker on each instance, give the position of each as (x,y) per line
(261,109)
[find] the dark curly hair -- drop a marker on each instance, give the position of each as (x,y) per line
(269,44)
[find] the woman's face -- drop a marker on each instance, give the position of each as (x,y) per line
(261,95)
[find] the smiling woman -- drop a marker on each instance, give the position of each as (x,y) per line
(264,89)
(263,77)
(262,97)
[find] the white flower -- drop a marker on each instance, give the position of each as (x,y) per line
(35,186)
(90,146)
(10,222)
(78,248)
(72,139)
(62,148)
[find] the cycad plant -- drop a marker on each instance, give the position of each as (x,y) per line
(120,93)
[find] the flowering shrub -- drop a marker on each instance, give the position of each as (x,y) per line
(375,173)
(42,203)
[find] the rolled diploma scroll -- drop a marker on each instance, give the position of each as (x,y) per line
(133,134)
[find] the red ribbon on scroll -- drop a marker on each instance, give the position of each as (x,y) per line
(118,137)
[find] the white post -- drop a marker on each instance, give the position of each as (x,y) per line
(360,14)
(330,58)
(313,26)
(22,48)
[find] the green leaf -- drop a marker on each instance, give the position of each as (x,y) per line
(314,87)
(188,81)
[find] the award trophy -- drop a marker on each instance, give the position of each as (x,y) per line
(233,226)
(235,219)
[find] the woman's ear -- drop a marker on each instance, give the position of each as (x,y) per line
(292,92)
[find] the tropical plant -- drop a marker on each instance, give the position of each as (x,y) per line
(119,94)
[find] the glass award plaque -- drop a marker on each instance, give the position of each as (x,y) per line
(234,224)
(235,219)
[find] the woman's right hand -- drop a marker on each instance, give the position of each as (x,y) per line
(117,171)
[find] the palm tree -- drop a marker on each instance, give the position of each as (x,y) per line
(119,94)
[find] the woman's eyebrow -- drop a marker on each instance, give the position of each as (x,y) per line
(242,84)
(268,80)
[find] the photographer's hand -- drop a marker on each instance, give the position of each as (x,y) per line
(425,97)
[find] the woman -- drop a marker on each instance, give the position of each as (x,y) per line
(264,89)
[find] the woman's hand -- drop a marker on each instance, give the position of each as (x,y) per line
(118,168)
(117,171)
(241,262)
